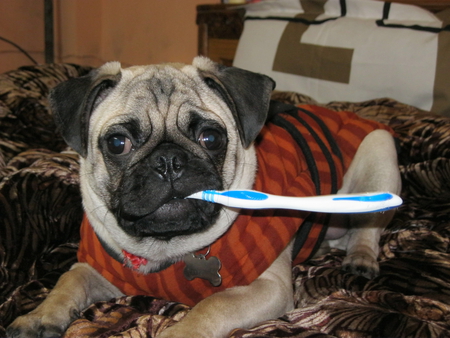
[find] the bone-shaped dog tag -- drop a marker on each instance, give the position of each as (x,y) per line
(198,266)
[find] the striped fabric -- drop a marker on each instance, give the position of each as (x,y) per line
(258,236)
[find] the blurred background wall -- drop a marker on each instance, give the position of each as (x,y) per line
(92,32)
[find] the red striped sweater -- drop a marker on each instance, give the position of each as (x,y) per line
(257,237)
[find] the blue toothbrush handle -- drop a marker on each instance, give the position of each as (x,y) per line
(348,203)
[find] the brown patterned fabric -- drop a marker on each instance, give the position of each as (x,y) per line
(40,204)
(41,212)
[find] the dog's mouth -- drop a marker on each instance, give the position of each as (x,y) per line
(176,217)
(151,200)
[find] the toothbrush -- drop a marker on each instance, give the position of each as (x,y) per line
(346,203)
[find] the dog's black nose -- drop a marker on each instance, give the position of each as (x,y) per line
(168,161)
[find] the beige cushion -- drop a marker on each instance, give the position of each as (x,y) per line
(351,50)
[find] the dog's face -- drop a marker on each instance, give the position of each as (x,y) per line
(150,136)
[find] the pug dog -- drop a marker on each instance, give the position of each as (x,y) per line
(149,137)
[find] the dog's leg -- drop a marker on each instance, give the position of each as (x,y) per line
(374,168)
(74,291)
(268,297)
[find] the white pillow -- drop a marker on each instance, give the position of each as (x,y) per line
(350,50)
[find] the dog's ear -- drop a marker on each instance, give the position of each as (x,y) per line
(246,93)
(73,101)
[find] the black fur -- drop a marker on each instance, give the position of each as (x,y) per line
(72,103)
(247,94)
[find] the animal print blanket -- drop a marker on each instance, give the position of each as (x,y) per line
(40,214)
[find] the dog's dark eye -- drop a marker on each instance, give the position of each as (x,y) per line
(211,139)
(119,145)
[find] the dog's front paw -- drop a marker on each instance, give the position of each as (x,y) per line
(175,332)
(361,264)
(34,325)
(181,330)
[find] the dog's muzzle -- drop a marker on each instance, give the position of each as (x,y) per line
(151,201)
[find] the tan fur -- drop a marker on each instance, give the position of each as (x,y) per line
(374,168)
(112,110)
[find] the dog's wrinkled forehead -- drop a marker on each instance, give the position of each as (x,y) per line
(162,100)
(110,94)
(162,84)
(155,92)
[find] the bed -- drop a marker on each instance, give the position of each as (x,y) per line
(40,204)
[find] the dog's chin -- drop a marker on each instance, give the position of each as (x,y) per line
(178,217)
